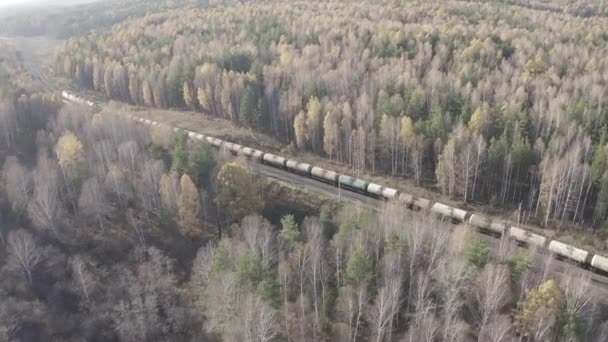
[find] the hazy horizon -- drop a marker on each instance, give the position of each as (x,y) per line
(30,3)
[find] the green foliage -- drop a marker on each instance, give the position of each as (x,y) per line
(249,268)
(477,253)
(235,61)
(159,153)
(326,215)
(360,269)
(239,192)
(522,154)
(601,208)
(180,157)
(289,231)
(437,122)
(599,164)
(251,103)
(417,102)
(395,244)
(518,264)
(270,292)
(201,163)
(222,259)
(544,302)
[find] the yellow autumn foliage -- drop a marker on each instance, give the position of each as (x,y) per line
(69,149)
(545,301)
(189,208)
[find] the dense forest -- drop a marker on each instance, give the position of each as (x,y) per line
(109,232)
(488,102)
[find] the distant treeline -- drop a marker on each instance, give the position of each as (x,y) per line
(63,21)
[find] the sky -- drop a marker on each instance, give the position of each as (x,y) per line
(19,2)
(6,3)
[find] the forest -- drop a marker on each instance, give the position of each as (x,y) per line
(113,231)
(490,103)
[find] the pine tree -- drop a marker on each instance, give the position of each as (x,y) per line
(201,162)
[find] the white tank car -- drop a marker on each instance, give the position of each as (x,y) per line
(375,189)
(567,251)
(390,193)
(498,227)
(480,221)
(299,167)
(381,191)
(459,214)
(327,175)
(524,236)
(483,222)
(352,183)
(600,262)
(214,141)
(232,147)
(274,160)
(252,153)
(449,212)
(421,203)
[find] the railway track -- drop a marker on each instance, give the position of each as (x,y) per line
(560,266)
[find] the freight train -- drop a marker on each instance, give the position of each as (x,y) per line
(497,227)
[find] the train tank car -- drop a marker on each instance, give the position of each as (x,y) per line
(353,183)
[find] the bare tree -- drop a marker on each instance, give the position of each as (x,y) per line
(136,224)
(24,253)
(386,306)
(83,279)
(258,321)
(129,156)
(148,311)
(117,184)
(258,234)
(499,329)
(45,207)
(8,122)
(491,294)
(351,302)
(148,187)
(424,327)
(315,248)
(16,182)
(3,227)
(201,267)
(92,201)
(454,280)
